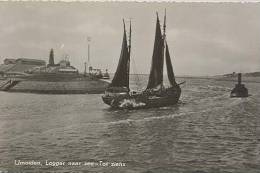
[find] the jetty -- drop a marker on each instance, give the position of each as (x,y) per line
(34,76)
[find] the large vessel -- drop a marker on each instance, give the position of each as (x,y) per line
(118,94)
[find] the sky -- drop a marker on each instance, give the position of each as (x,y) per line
(203,38)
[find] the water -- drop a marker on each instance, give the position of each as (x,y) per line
(206,132)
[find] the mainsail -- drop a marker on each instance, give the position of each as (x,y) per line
(170,72)
(121,78)
(156,73)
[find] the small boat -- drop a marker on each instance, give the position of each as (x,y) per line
(106,75)
(240,90)
(118,94)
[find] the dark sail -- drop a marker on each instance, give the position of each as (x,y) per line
(156,73)
(121,78)
(170,73)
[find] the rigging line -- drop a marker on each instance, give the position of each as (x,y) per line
(134,68)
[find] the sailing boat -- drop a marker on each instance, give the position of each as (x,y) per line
(118,94)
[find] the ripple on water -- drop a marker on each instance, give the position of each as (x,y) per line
(206,132)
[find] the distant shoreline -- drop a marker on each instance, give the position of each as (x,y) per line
(244,79)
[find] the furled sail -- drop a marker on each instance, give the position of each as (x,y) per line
(170,72)
(121,78)
(156,73)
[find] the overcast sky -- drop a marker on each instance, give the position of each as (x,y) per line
(203,38)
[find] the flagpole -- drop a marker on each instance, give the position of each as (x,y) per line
(89,39)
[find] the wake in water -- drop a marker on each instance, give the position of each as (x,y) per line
(131,103)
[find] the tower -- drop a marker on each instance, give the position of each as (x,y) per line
(51,58)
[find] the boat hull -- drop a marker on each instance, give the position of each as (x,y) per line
(144,100)
(239,91)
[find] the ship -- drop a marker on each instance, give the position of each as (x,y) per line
(97,73)
(240,90)
(106,75)
(118,94)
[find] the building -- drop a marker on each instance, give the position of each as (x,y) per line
(19,66)
(27,61)
(9,61)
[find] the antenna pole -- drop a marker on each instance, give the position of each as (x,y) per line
(88,53)
(89,39)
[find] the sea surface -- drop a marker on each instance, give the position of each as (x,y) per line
(207,132)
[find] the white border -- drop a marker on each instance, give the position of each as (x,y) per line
(144,1)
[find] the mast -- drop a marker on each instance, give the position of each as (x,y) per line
(129,54)
(163,38)
(164,26)
(130,34)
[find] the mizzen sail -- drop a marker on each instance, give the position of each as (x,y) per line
(121,78)
(156,73)
(170,72)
